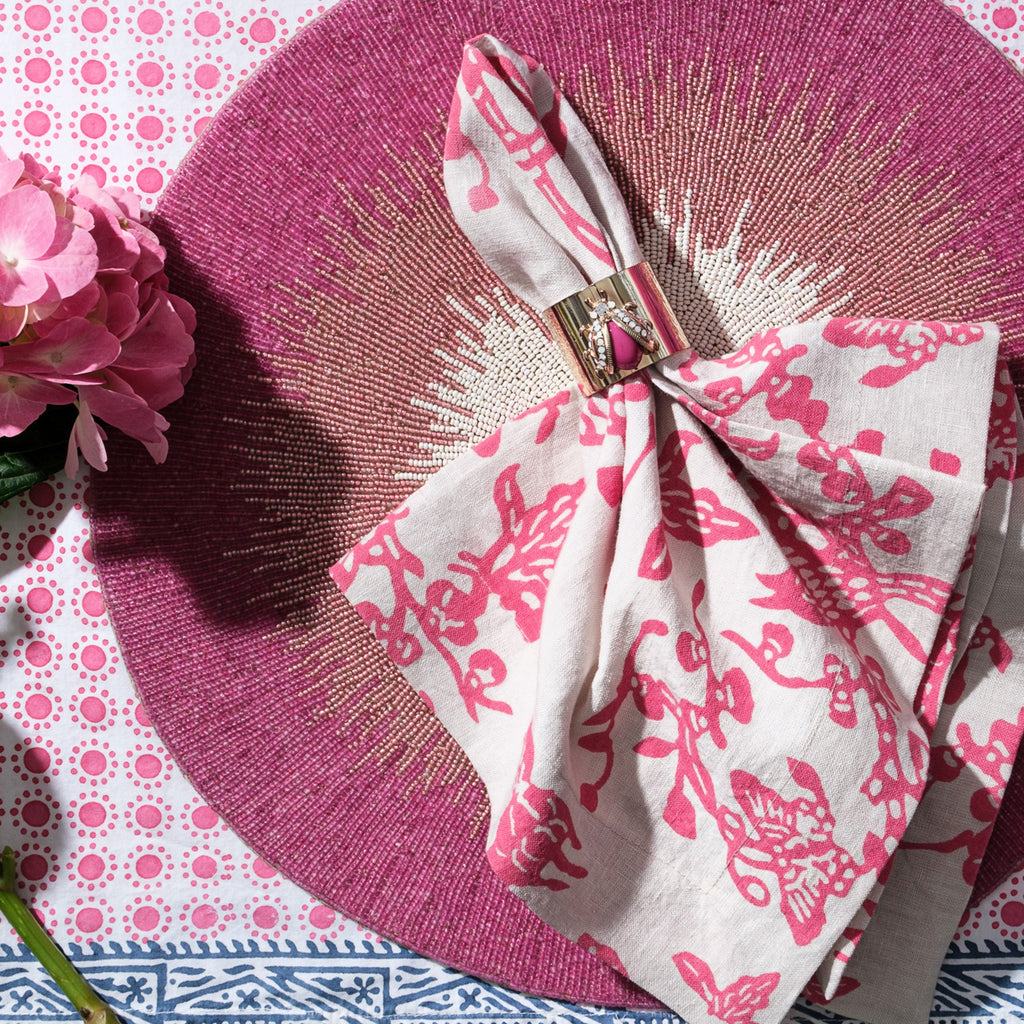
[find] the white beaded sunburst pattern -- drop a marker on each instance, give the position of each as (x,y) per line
(504,363)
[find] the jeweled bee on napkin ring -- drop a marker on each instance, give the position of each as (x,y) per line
(615,327)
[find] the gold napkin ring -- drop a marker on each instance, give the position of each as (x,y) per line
(615,327)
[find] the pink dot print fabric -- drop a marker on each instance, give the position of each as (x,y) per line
(117,853)
(722,638)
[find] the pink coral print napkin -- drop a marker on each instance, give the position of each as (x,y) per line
(717,639)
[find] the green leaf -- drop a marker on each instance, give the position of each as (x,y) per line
(36,453)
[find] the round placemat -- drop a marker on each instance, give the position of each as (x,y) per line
(782,161)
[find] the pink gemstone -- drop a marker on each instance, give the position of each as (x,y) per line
(626,351)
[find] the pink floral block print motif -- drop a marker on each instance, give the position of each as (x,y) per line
(792,840)
(532,833)
(697,633)
(731,712)
(515,568)
(654,699)
(909,346)
(737,1002)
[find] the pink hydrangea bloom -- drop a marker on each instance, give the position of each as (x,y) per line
(46,250)
(124,243)
(85,310)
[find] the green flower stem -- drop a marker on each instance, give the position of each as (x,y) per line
(85,1000)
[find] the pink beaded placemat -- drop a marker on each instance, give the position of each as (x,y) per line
(119,850)
(352,342)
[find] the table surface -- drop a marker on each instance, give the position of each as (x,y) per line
(168,913)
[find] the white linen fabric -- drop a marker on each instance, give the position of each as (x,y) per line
(712,637)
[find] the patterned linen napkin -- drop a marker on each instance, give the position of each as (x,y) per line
(706,636)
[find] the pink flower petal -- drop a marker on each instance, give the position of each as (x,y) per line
(88,435)
(161,339)
(21,283)
(16,413)
(184,310)
(116,248)
(157,387)
(23,399)
(27,224)
(127,412)
(71,261)
(12,321)
(87,194)
(157,449)
(71,459)
(43,257)
(87,302)
(122,296)
(37,174)
(10,172)
(79,217)
(72,348)
(151,253)
(127,202)
(125,244)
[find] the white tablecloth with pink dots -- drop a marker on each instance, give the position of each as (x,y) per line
(171,917)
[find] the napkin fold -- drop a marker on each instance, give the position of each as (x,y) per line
(713,636)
